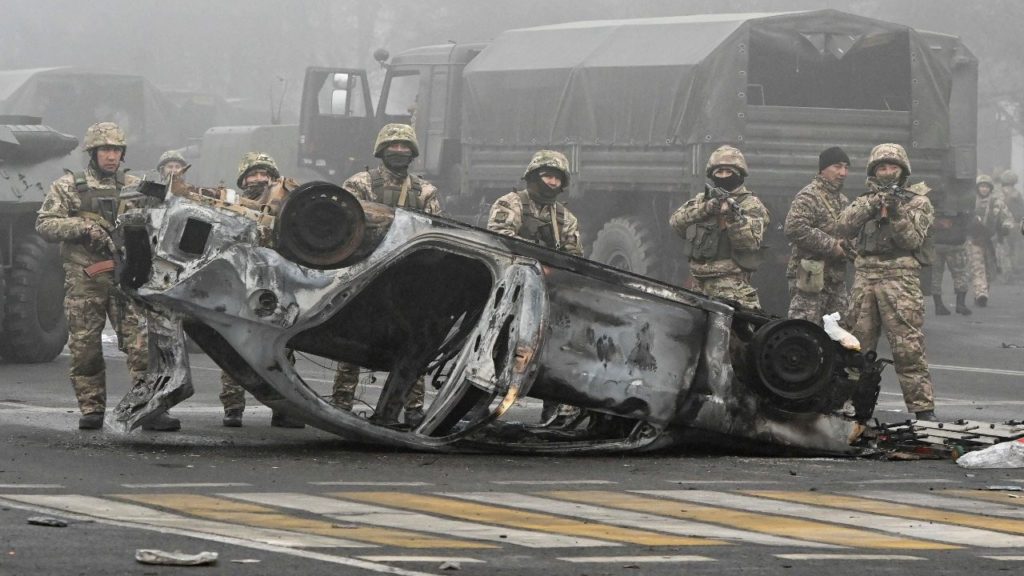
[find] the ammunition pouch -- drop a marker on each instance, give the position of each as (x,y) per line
(705,241)
(875,238)
(811,276)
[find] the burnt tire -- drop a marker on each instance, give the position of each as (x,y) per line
(627,244)
(793,361)
(34,329)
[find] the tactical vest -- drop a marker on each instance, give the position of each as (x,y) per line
(706,241)
(391,193)
(876,239)
(535,228)
(99,204)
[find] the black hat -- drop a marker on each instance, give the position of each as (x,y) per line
(833,155)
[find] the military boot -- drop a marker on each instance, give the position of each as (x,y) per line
(91,421)
(232,418)
(981,301)
(961,304)
(940,308)
(162,423)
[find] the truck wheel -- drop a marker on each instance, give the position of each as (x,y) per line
(35,329)
(627,244)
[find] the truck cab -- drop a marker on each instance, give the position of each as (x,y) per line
(422,87)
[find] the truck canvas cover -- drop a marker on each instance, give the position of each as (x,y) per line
(690,79)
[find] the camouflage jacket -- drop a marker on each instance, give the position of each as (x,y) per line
(811,227)
(361,184)
(506,218)
(910,221)
(993,214)
(59,218)
(1014,201)
(745,232)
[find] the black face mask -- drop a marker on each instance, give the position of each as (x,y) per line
(255,190)
(397,161)
(730,183)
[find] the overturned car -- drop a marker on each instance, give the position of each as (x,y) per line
(492,323)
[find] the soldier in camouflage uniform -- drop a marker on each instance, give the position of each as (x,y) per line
(534,214)
(259,180)
(890,235)
(1013,244)
(723,237)
(171,162)
(950,252)
(992,222)
(817,264)
(389,183)
(80,212)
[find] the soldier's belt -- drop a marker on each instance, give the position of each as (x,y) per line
(98,268)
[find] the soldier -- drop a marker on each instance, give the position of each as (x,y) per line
(890,232)
(534,214)
(389,183)
(992,221)
(171,162)
(817,265)
(259,180)
(950,252)
(723,235)
(79,212)
(1015,203)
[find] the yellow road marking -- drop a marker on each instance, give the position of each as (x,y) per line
(895,509)
(1002,496)
(496,515)
(256,515)
(755,522)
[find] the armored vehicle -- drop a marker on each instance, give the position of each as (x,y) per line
(639,105)
(32,323)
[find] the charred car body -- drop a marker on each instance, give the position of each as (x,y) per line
(488,319)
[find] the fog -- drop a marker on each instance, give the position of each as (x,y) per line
(255,52)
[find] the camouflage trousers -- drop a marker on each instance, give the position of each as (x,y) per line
(730,286)
(232,394)
(812,306)
(346,379)
(982,267)
(896,305)
(88,303)
(953,257)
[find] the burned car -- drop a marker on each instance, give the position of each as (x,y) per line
(490,321)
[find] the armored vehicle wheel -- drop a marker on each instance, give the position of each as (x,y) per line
(34,328)
(793,360)
(627,244)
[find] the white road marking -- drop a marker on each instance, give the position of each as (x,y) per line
(344,483)
(975,370)
(359,513)
(30,486)
(141,516)
(633,559)
(463,560)
(884,557)
(1006,558)
(920,529)
(942,502)
(551,482)
(899,481)
(190,485)
(617,517)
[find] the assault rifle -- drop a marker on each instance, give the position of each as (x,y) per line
(892,195)
(714,192)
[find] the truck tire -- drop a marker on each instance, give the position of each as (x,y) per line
(627,244)
(34,328)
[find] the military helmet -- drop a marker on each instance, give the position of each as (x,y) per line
(984,179)
(1008,178)
(396,133)
(892,154)
(170,156)
(727,156)
(251,160)
(549,159)
(104,134)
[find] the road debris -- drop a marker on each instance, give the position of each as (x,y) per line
(176,558)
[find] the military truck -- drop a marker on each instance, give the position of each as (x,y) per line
(32,323)
(639,105)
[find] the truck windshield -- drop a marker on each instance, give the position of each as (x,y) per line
(403,94)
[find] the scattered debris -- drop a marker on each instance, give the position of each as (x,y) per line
(917,439)
(1002,455)
(1004,488)
(449,565)
(47,521)
(176,558)
(246,561)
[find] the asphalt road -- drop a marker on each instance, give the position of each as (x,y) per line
(279,501)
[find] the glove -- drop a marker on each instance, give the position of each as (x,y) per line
(98,241)
(712,206)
